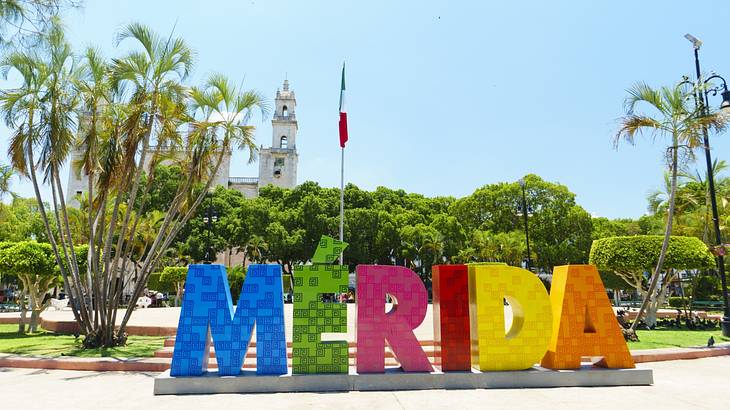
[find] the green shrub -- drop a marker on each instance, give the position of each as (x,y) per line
(705,287)
(676,302)
(171,276)
(154,282)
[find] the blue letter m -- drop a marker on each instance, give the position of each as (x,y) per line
(207,311)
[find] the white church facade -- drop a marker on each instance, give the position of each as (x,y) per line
(277,163)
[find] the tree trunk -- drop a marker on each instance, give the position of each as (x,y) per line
(35,318)
(667,234)
(178,295)
(23,312)
(73,292)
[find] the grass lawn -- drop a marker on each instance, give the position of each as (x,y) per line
(659,338)
(50,344)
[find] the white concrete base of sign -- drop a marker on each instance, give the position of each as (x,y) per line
(396,379)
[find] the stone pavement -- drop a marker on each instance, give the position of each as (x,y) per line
(681,384)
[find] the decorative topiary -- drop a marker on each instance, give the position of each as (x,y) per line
(632,258)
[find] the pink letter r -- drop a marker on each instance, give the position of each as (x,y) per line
(375,328)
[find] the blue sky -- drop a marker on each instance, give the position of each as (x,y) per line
(446,96)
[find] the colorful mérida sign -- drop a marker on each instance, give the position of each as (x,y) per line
(576,320)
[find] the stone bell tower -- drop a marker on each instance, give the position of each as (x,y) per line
(278,164)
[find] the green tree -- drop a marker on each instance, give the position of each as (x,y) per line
(631,257)
(23,21)
(422,246)
(560,230)
(604,227)
(20,220)
(174,277)
(671,116)
(33,264)
(452,232)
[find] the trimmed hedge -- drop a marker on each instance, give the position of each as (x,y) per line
(171,275)
(641,252)
(676,301)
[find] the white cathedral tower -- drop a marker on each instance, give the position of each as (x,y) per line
(278,164)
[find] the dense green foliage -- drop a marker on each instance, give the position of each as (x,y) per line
(389,226)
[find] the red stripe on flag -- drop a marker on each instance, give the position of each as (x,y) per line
(343,129)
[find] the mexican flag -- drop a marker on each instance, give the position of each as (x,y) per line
(343,112)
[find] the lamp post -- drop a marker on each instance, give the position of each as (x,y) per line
(527,229)
(209,218)
(702,96)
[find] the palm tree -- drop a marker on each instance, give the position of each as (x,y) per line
(219,118)
(673,117)
(6,174)
(693,196)
(134,111)
(35,112)
(254,249)
(507,247)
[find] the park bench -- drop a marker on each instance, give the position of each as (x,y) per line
(9,307)
(707,304)
(144,302)
(59,304)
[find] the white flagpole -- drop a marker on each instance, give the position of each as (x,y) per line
(342,203)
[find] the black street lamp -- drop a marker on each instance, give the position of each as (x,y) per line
(528,263)
(702,94)
(209,219)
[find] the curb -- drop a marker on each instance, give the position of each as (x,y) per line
(679,353)
(102,364)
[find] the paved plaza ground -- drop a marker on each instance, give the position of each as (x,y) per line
(700,383)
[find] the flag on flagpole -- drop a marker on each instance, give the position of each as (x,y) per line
(343,111)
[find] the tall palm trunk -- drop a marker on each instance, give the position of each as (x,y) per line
(73,292)
(665,242)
